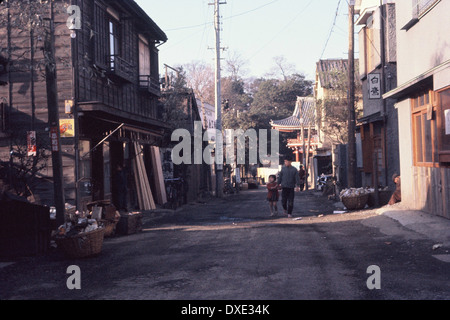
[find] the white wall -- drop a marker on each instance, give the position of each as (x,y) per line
(426,44)
(406,152)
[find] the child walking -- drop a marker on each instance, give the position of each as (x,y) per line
(272,195)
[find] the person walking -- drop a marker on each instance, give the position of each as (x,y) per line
(272,195)
(290,182)
(119,188)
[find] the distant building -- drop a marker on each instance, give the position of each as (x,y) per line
(423,103)
(331,95)
(378,126)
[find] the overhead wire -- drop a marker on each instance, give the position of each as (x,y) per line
(282,29)
(227,18)
(332,28)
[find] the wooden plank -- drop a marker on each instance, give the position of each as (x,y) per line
(137,184)
(148,202)
(158,175)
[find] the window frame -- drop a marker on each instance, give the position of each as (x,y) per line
(114,34)
(147,69)
(420,107)
(442,153)
(419,11)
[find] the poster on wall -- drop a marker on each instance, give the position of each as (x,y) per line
(67,128)
(31,144)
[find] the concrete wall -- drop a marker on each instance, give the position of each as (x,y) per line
(406,153)
(421,48)
(426,44)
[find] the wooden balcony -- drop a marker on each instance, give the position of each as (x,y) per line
(299,142)
(121,69)
(150,84)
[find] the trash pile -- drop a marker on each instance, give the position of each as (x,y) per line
(354,192)
(77,224)
(372,190)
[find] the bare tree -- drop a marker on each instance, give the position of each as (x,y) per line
(200,77)
(283,67)
(235,66)
(332,112)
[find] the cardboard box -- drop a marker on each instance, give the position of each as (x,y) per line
(129,224)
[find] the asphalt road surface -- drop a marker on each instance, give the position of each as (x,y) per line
(231,249)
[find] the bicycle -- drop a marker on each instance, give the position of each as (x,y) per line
(173,191)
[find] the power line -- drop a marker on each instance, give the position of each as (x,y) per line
(285,26)
(228,18)
(332,28)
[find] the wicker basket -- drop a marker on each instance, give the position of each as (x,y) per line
(355,203)
(109,226)
(82,245)
(384,197)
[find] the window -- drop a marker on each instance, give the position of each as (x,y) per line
(444,125)
(370,46)
(421,7)
(114,41)
(114,37)
(424,129)
(144,57)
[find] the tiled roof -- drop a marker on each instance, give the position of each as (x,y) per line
(304,108)
(328,71)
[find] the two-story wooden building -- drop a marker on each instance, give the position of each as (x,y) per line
(108,90)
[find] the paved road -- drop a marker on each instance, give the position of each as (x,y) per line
(232,249)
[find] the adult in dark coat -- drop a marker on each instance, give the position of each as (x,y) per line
(119,188)
(289,181)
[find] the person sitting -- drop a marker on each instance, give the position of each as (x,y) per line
(397,195)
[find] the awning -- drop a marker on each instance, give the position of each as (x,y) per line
(370,119)
(425,80)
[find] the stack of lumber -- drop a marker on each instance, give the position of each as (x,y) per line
(161,196)
(143,190)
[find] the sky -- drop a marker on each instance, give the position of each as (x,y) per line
(302,31)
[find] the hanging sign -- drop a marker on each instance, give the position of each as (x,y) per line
(374,81)
(54,139)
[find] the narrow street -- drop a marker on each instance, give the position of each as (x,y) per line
(231,249)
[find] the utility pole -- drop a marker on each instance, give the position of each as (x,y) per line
(351,147)
(53,118)
(218,104)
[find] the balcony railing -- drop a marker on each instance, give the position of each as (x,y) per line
(121,68)
(150,84)
(299,142)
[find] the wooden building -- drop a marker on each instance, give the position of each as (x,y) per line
(108,91)
(378,126)
(187,115)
